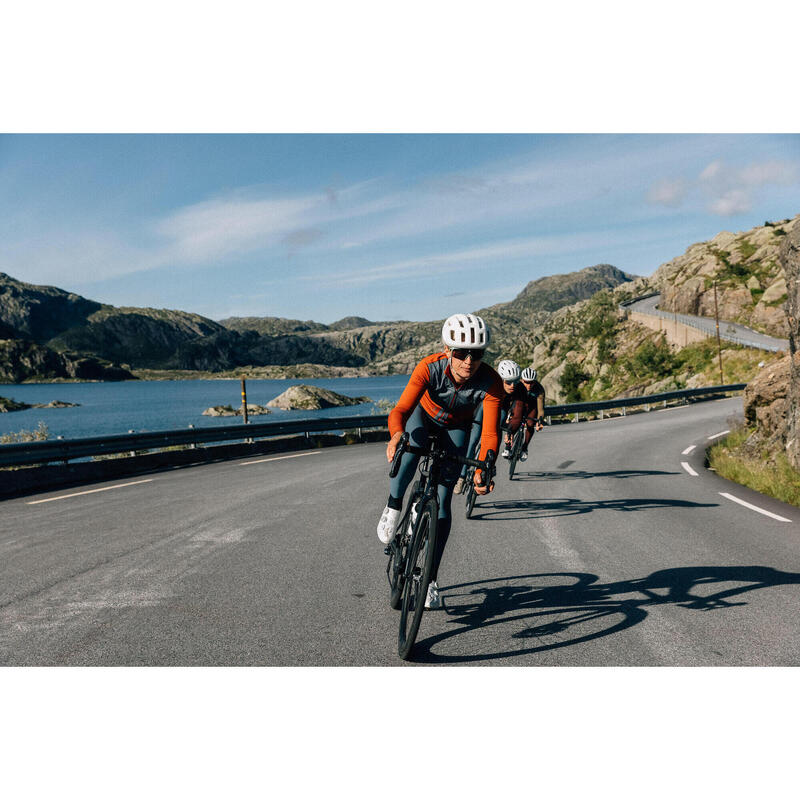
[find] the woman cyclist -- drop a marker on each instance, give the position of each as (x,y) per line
(511,409)
(442,394)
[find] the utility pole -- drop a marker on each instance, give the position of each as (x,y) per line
(719,344)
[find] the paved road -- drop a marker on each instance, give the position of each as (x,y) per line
(606,551)
(730,331)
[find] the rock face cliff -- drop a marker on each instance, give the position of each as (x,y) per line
(790,257)
(747,269)
(772,399)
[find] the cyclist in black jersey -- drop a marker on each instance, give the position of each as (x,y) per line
(534,407)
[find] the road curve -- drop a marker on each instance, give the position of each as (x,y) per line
(605,551)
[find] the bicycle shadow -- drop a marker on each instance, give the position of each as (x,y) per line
(576,608)
(580,474)
(503,510)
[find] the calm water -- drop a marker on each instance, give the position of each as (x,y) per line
(107,408)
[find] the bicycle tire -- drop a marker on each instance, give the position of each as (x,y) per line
(516,449)
(399,556)
(472,496)
(417,576)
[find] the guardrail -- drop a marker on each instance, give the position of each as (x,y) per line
(63,450)
(643,400)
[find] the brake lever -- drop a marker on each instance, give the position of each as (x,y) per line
(398,454)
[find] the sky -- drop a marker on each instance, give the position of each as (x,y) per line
(381,226)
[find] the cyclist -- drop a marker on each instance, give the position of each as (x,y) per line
(443,393)
(534,407)
(513,404)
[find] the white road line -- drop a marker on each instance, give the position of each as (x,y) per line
(686,466)
(754,508)
(717,435)
(688,450)
(278,458)
(88,491)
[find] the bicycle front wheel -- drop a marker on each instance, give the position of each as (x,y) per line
(472,495)
(516,449)
(417,576)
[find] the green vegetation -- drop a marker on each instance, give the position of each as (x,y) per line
(773,476)
(571,379)
(746,249)
(653,358)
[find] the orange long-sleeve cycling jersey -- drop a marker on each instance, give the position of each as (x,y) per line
(448,403)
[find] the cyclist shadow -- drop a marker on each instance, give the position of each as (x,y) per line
(580,474)
(568,608)
(503,510)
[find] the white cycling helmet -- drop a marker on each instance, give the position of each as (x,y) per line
(508,370)
(465,330)
(529,374)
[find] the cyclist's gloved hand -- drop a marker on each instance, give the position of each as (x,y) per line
(480,487)
(392,446)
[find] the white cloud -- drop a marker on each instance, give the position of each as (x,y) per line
(735,201)
(668,192)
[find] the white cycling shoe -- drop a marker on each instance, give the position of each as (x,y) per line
(433,601)
(387,526)
(506,453)
(523,456)
(459,486)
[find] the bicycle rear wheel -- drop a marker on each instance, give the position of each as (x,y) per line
(417,576)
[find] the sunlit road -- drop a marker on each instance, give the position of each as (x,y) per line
(605,550)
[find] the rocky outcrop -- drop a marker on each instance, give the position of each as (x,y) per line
(748,272)
(766,402)
(23,360)
(253,410)
(312,397)
(790,258)
(772,398)
(7,404)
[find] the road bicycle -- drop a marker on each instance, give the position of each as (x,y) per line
(411,552)
(516,449)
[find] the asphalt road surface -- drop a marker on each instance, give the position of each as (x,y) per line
(604,550)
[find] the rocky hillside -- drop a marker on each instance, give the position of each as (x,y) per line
(751,284)
(49,333)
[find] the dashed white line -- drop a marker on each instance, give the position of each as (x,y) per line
(688,450)
(686,466)
(88,491)
(278,458)
(717,435)
(754,508)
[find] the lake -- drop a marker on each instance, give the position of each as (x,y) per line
(108,408)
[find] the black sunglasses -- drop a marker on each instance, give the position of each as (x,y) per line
(462,353)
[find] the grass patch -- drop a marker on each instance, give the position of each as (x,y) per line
(774,477)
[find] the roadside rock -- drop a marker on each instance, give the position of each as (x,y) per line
(312,397)
(56,404)
(228,411)
(790,258)
(765,401)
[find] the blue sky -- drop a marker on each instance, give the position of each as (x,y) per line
(381,226)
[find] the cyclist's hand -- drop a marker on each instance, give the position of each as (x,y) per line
(392,446)
(481,488)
